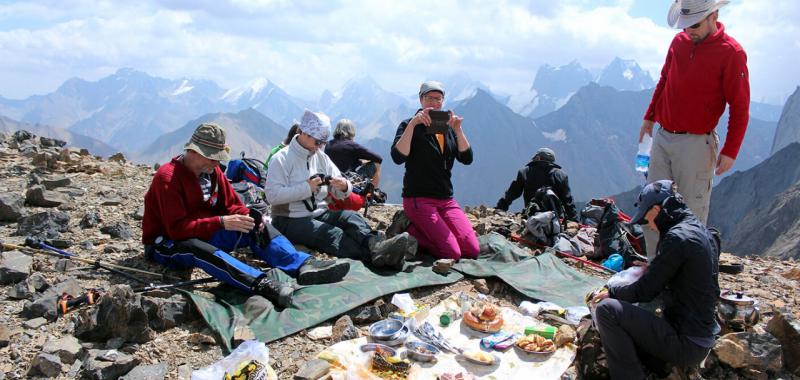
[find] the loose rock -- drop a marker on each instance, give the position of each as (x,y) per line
(99,366)
(11,207)
(750,350)
(15,266)
(343,330)
(787,329)
(38,196)
(44,224)
(5,336)
(56,182)
(35,323)
(67,348)
(90,220)
(147,372)
(313,370)
(118,313)
(118,230)
(45,364)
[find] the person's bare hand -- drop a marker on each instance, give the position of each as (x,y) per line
(422,117)
(455,121)
(724,163)
(314,183)
(238,223)
(339,183)
(647,127)
(642,264)
(599,296)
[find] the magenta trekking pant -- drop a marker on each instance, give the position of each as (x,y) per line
(441,228)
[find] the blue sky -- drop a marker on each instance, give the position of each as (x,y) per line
(307,46)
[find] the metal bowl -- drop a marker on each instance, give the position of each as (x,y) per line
(387,329)
(367,347)
(395,340)
(414,351)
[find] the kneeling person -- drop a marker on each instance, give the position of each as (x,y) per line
(298,182)
(685,270)
(193,218)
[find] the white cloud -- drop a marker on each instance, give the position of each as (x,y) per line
(307,46)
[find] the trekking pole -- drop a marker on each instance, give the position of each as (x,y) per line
(517,238)
(181,284)
(58,253)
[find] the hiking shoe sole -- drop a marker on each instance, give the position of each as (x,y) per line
(326,275)
(400,223)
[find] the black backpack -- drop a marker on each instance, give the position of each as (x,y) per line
(616,236)
(545,199)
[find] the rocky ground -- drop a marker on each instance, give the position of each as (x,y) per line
(92,207)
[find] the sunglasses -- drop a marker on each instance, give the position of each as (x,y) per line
(695,26)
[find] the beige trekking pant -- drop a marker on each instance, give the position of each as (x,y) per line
(689,160)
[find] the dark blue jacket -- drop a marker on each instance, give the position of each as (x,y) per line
(685,270)
(427,166)
(535,175)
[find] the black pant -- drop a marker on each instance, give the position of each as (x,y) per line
(337,233)
(629,332)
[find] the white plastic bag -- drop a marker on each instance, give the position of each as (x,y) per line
(247,351)
(626,277)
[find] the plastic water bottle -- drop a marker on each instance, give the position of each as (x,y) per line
(643,156)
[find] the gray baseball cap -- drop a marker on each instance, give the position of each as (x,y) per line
(653,194)
(545,154)
(430,85)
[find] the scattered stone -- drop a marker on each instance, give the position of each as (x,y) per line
(750,350)
(442,266)
(86,245)
(99,365)
(67,348)
(792,274)
(115,343)
(15,266)
(20,291)
(147,372)
(371,313)
(139,213)
(343,330)
(787,329)
(45,364)
(313,370)
(38,282)
(117,157)
(111,200)
(118,230)
(165,314)
(90,220)
(44,224)
(48,142)
(34,323)
(5,335)
(38,196)
(319,333)
(481,286)
(65,265)
(60,243)
(11,207)
(42,307)
(56,182)
(200,338)
(72,191)
(118,313)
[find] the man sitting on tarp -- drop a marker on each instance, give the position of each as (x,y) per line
(540,173)
(299,179)
(684,271)
(193,218)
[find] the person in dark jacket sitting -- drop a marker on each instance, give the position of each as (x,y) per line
(540,172)
(350,156)
(684,271)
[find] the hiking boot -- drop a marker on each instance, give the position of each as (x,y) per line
(315,271)
(374,239)
(269,287)
(399,224)
(392,252)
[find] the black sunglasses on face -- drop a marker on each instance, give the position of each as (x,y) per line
(316,142)
(695,26)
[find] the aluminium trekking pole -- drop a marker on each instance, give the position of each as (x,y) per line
(70,256)
(180,284)
(563,254)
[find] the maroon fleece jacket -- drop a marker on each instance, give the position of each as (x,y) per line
(174,206)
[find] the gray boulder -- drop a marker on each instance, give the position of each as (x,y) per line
(15,266)
(787,329)
(56,182)
(20,291)
(39,196)
(90,220)
(67,348)
(147,372)
(760,352)
(118,313)
(11,207)
(106,365)
(45,225)
(44,364)
(118,230)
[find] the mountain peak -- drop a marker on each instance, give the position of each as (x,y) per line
(625,74)
(249,91)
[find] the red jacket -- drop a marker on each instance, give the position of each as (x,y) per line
(696,83)
(174,206)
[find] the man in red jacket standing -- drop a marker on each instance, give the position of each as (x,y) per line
(193,218)
(705,69)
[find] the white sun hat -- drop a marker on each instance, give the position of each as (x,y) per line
(685,13)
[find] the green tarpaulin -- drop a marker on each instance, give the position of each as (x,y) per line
(544,277)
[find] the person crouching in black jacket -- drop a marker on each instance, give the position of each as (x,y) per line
(541,172)
(684,271)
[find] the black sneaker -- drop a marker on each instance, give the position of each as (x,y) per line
(315,271)
(269,287)
(399,224)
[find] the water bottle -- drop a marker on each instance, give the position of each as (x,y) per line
(643,156)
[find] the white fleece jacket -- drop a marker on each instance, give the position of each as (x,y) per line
(287,181)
